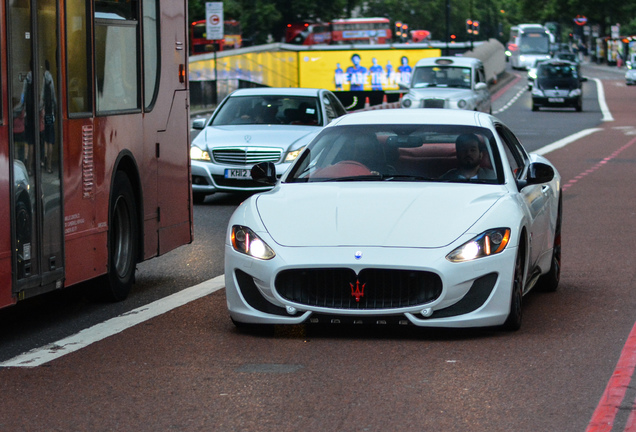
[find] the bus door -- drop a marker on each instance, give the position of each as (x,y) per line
(36,165)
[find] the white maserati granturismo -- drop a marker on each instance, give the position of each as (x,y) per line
(432,218)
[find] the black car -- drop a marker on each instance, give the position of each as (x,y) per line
(558,84)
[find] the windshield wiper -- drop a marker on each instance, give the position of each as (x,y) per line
(355,178)
(407,177)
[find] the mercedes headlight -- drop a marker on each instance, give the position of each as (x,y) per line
(406,103)
(245,241)
(293,154)
(197,154)
(488,243)
(575,92)
(537,91)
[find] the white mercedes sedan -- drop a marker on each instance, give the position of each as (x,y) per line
(431,218)
(256,125)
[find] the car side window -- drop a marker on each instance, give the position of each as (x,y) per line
(516,155)
(340,111)
(481,75)
(329,108)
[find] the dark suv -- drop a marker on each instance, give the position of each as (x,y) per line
(558,84)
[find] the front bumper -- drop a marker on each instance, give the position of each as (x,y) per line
(556,102)
(473,294)
(208,178)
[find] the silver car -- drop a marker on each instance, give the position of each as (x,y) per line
(252,126)
(449,82)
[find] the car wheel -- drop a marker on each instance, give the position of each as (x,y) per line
(535,107)
(123,234)
(549,282)
(198,198)
(513,322)
(579,106)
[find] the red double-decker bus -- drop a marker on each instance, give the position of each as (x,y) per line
(200,44)
(94,142)
(370,31)
(308,33)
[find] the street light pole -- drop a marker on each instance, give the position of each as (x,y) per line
(447,27)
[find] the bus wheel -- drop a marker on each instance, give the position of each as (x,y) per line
(123,235)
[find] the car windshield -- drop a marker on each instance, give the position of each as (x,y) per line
(567,56)
(268,109)
(553,74)
(411,153)
(442,76)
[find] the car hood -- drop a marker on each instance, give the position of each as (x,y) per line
(368,214)
(254,136)
(440,92)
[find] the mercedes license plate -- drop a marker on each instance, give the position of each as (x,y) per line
(242,174)
(555,100)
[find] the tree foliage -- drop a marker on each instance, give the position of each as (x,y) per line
(265,20)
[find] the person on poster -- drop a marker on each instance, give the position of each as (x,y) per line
(339,77)
(377,75)
(356,74)
(405,71)
(390,74)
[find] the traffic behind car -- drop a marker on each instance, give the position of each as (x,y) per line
(559,84)
(256,125)
(449,82)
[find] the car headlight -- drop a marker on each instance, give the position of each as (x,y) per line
(406,103)
(245,241)
(537,91)
(461,104)
(488,243)
(575,92)
(532,75)
(292,155)
(197,154)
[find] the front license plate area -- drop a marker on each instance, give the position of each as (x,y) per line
(556,100)
(240,174)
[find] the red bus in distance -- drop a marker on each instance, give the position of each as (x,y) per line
(367,31)
(308,33)
(94,143)
(199,44)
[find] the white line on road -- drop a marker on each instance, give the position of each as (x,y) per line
(565,141)
(47,353)
(607,115)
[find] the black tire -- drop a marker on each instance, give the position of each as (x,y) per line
(123,237)
(535,107)
(579,106)
(198,198)
(513,322)
(549,282)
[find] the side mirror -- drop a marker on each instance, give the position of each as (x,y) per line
(538,173)
(481,86)
(264,172)
(583,79)
(198,124)
(403,86)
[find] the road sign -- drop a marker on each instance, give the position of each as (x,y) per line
(214,20)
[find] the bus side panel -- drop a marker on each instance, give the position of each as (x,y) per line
(83,231)
(174,199)
(6,280)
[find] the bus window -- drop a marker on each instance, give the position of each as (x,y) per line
(151,53)
(79,92)
(116,49)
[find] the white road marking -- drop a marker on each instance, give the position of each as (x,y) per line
(565,141)
(47,353)
(510,102)
(607,115)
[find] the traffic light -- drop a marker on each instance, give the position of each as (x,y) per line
(469,26)
(475,28)
(398,30)
(405,32)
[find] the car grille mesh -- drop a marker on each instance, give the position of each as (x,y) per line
(371,289)
(246,156)
(432,103)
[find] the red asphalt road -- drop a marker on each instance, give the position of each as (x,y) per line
(189,370)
